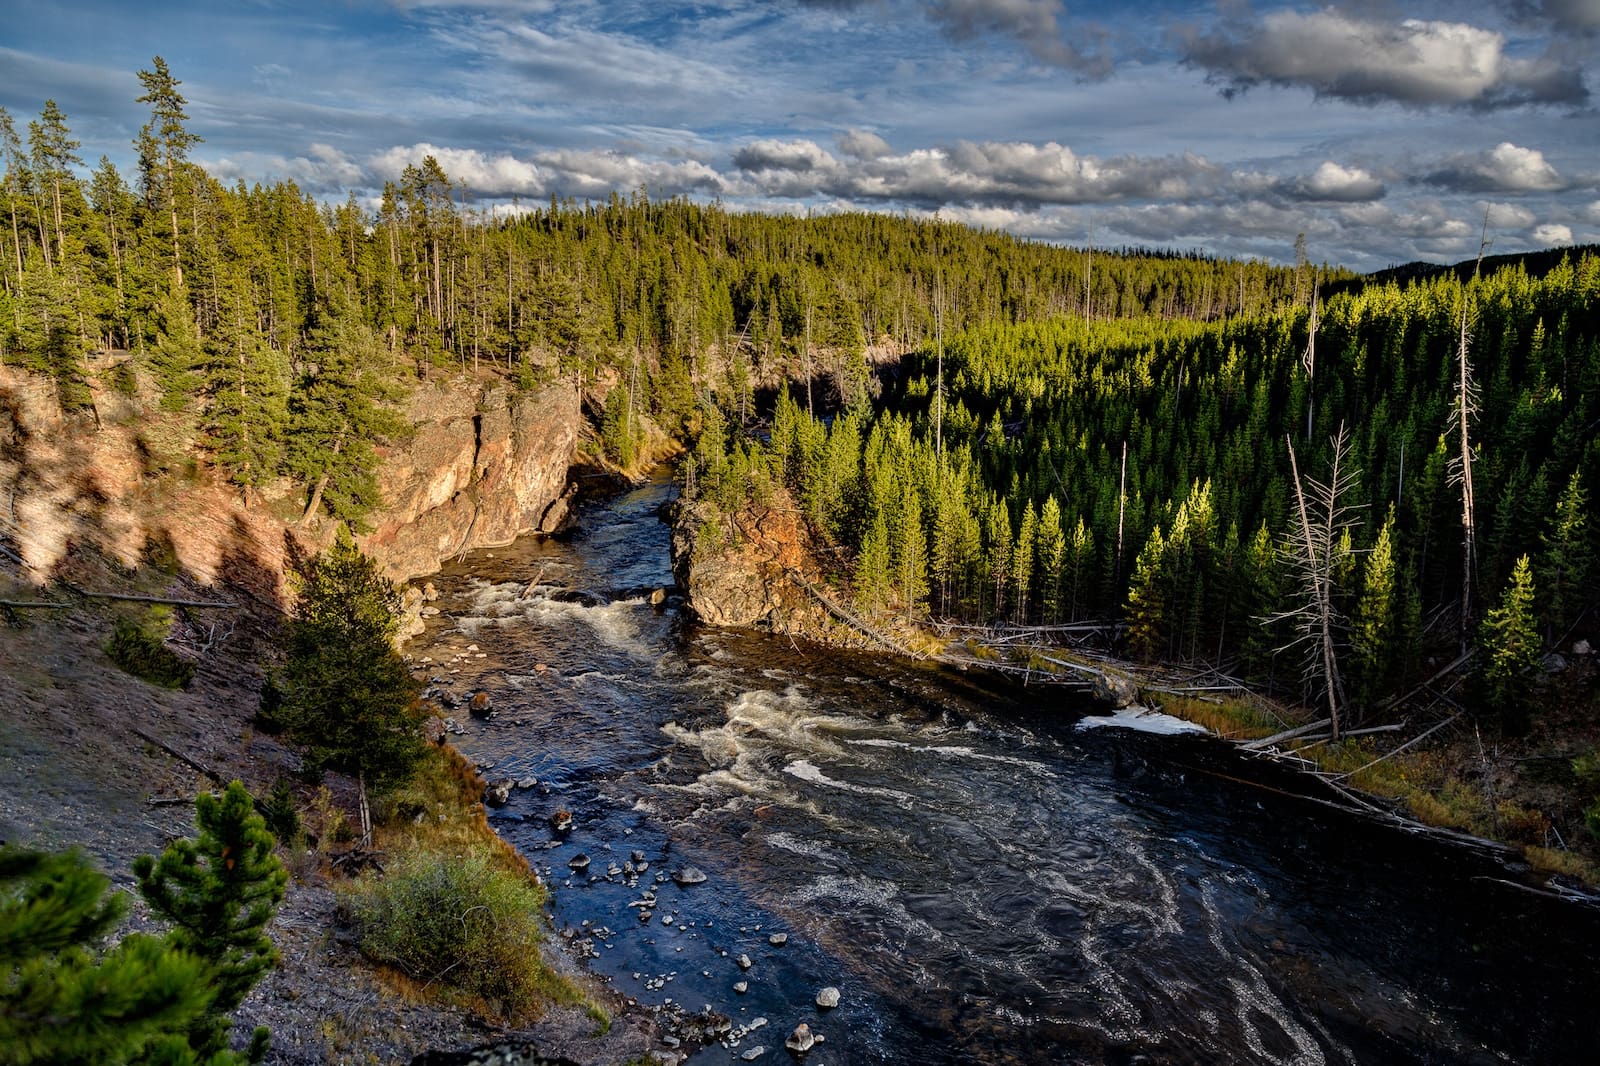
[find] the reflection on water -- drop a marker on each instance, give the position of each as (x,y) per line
(982,881)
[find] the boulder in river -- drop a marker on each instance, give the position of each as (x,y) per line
(741,987)
(1114,689)
(689,875)
(777,940)
(828,998)
(480,706)
(801,1040)
(497,792)
(561,821)
(579,862)
(744,962)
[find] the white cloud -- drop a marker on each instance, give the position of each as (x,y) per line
(1330,181)
(1503,168)
(863,144)
(1507,216)
(1552,233)
(497,175)
(1413,62)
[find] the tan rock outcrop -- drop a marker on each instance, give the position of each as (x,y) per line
(484,467)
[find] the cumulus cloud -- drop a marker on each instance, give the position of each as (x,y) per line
(863,144)
(560,172)
(1504,168)
(1507,216)
(1011,173)
(489,175)
(1415,62)
(1552,233)
(1591,213)
(1341,184)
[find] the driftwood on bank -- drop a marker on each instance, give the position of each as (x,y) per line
(193,764)
(850,618)
(130,597)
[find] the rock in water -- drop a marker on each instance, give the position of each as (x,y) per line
(828,998)
(754,1053)
(479,705)
(741,987)
(497,793)
(689,875)
(801,1040)
(744,962)
(579,862)
(777,940)
(561,821)
(1114,689)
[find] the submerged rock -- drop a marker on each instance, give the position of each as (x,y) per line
(828,998)
(689,875)
(480,706)
(744,962)
(561,821)
(777,940)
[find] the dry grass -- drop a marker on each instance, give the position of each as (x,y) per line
(1232,718)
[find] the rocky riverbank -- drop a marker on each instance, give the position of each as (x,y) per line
(112,514)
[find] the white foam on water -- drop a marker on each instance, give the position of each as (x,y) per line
(1253,999)
(805,770)
(811,849)
(881,897)
(509,603)
(954,751)
(1141,720)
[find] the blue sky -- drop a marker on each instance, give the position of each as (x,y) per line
(1384,131)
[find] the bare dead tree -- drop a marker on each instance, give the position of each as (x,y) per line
(1463,408)
(1322,517)
(1308,360)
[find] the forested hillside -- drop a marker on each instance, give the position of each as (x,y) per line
(284,326)
(1142,470)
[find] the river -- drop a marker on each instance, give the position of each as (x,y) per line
(982,878)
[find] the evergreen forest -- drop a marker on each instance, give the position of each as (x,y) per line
(1231,458)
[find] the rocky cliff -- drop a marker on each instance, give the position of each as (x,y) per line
(756,568)
(484,466)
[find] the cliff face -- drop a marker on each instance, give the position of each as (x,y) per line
(756,569)
(483,467)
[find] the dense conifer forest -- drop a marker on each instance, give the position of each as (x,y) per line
(1141,469)
(979,427)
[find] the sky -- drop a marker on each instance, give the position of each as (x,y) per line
(1384,131)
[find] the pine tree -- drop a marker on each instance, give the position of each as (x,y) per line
(1147,599)
(1509,637)
(219,890)
(60,1001)
(164,145)
(1373,635)
(347,697)
(1568,561)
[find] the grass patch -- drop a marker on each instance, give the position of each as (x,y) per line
(1565,863)
(1231,717)
(461,921)
(458,913)
(138,646)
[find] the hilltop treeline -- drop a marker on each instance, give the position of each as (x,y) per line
(284,325)
(1141,470)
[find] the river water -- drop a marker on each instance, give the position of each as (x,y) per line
(982,878)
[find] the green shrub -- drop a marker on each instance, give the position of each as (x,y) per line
(460,921)
(146,656)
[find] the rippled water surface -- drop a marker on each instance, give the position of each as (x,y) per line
(983,880)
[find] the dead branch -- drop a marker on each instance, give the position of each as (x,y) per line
(193,764)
